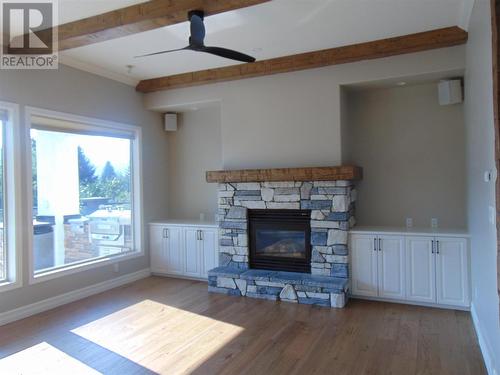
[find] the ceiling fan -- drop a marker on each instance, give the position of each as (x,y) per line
(196,41)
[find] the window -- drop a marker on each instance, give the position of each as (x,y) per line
(84,208)
(10,263)
(3,237)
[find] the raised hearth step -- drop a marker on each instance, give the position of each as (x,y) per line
(278,285)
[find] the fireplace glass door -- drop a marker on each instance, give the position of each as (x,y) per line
(280,240)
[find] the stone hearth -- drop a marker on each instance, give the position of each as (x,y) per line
(295,287)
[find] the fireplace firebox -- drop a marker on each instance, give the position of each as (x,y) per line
(280,240)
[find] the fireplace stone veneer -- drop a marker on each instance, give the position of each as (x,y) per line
(332,206)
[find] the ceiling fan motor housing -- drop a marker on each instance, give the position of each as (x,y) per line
(198,13)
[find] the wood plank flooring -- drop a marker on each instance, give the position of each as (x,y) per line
(170,326)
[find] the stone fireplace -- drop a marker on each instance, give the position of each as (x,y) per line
(286,240)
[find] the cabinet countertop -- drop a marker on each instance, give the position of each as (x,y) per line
(410,231)
(185,222)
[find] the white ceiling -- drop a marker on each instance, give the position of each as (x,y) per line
(72,10)
(277,28)
(420,79)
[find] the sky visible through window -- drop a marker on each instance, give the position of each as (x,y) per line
(100,149)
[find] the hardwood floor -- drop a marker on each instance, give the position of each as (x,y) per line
(170,326)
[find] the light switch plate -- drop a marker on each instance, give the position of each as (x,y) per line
(488,176)
(409,222)
(491,215)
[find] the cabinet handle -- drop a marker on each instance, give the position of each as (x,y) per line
(432,246)
(379,244)
(201,235)
(165,233)
(437,247)
(374,244)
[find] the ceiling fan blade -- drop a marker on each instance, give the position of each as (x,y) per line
(228,54)
(197,30)
(161,52)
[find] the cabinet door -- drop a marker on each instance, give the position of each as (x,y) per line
(157,249)
(420,269)
(364,265)
(174,246)
(209,252)
(391,267)
(452,279)
(192,256)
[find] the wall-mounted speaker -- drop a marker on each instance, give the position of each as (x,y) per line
(170,121)
(450,91)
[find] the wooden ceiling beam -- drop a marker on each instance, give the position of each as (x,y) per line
(423,41)
(138,18)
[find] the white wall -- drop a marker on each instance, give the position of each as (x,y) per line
(73,91)
(293,119)
(481,195)
(413,155)
(192,150)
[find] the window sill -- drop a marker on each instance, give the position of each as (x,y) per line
(9,285)
(75,268)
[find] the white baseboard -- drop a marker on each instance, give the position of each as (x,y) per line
(62,299)
(414,303)
(177,276)
(483,343)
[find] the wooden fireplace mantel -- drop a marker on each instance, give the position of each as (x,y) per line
(343,172)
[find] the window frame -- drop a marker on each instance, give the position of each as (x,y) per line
(98,125)
(12,197)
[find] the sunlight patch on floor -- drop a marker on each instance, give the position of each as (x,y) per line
(43,359)
(160,335)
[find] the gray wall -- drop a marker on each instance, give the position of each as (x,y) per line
(73,91)
(293,119)
(412,151)
(481,195)
(192,150)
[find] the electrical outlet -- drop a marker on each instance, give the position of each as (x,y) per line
(116,267)
(409,222)
(434,222)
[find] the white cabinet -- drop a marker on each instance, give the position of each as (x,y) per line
(437,270)
(377,264)
(200,251)
(158,248)
(192,256)
(173,240)
(452,280)
(391,267)
(364,265)
(421,268)
(165,243)
(183,250)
